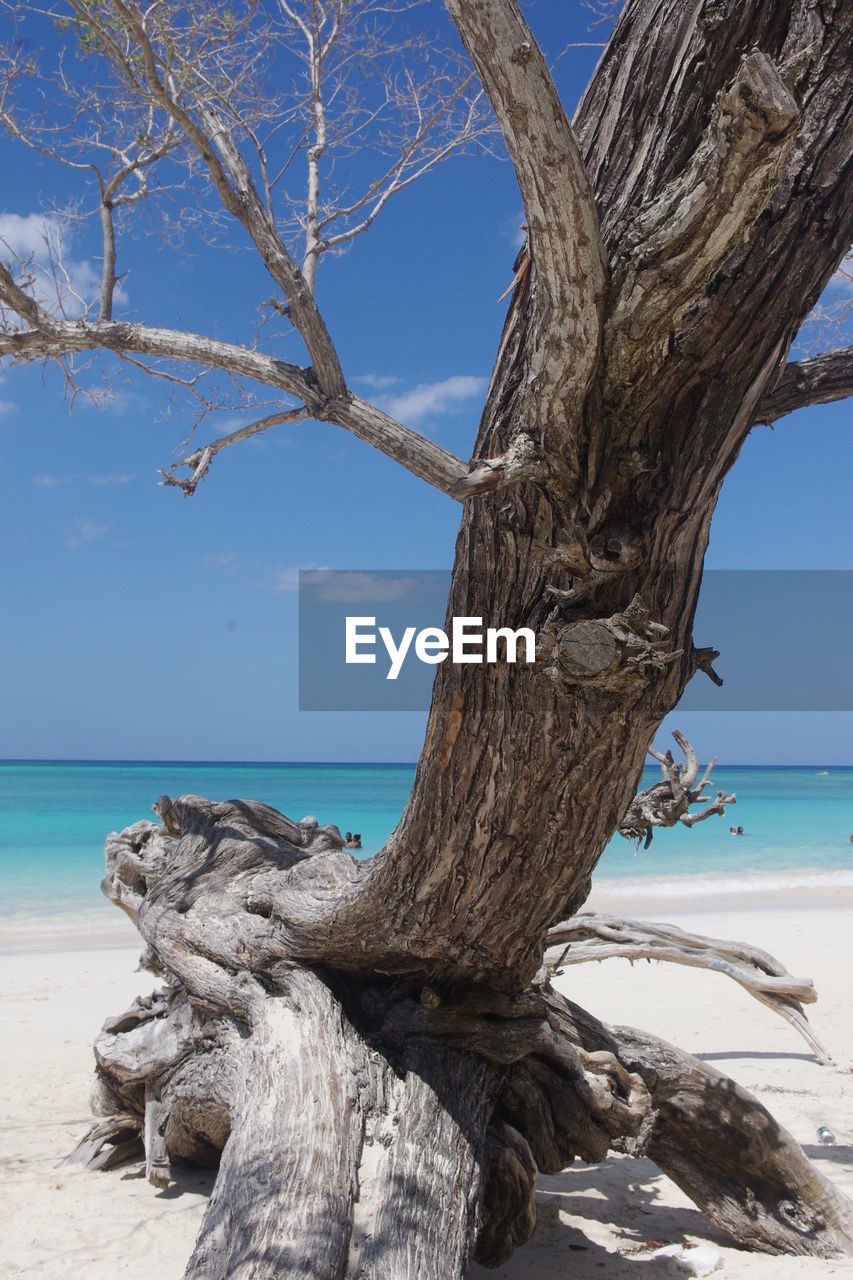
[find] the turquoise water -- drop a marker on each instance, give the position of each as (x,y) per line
(54,817)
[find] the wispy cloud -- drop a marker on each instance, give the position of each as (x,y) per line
(114,400)
(49,482)
(42,243)
(369,589)
(87,531)
(378,381)
(434,397)
(7,407)
(121,477)
(220,561)
(513,229)
(286,577)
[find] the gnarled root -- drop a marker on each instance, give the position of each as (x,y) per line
(369,1125)
(722,1147)
(332,1155)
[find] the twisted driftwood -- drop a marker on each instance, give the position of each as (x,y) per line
(323,1094)
(592,936)
(668,801)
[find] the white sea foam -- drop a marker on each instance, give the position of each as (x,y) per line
(707,886)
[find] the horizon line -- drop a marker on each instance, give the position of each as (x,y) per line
(347,764)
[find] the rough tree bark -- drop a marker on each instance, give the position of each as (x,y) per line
(374,1046)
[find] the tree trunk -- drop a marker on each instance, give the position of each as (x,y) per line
(526,770)
(368,1044)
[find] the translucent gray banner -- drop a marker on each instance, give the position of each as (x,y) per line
(784,637)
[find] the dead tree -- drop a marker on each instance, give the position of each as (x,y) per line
(374,1047)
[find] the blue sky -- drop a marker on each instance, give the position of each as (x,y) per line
(138,625)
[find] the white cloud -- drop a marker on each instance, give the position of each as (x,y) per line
(434,397)
(122,477)
(7,407)
(49,482)
(379,382)
(218,427)
(222,560)
(286,578)
(514,229)
(40,245)
(364,588)
(87,531)
(27,237)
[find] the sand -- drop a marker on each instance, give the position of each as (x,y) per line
(593,1221)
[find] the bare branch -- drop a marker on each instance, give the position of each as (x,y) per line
(417,454)
(191,87)
(108,271)
(50,338)
(819,380)
(591,936)
(669,801)
(565,242)
(411,165)
(827,326)
(238,193)
(53,338)
(199,461)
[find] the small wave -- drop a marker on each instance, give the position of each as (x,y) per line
(715,885)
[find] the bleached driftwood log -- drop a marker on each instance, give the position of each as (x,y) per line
(326,1092)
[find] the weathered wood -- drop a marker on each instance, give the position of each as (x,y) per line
(283,1200)
(721,1146)
(593,936)
(509,1195)
(502,832)
(559,205)
(108,1143)
(728,1154)
(428,1184)
(371,1126)
(668,801)
(818,380)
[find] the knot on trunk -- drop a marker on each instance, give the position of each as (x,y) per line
(618,654)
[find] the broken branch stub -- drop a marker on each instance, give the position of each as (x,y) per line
(668,801)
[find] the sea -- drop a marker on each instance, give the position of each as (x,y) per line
(54,816)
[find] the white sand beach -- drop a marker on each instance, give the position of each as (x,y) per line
(80,1225)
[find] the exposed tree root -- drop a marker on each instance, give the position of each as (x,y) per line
(592,936)
(372,1126)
